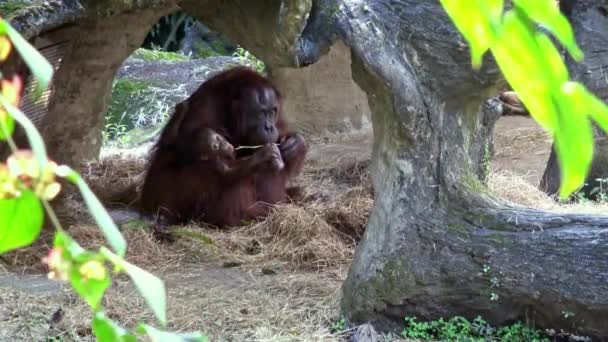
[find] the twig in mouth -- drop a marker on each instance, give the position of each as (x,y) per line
(251,147)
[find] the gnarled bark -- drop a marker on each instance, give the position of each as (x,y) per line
(269,29)
(95,50)
(438,243)
(46,16)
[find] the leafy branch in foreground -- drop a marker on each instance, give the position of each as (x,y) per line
(534,68)
(28,182)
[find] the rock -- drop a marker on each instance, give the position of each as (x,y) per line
(269,270)
(365,333)
(145,92)
(232,263)
(186,75)
(201,41)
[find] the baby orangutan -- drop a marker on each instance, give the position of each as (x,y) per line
(211,146)
(214,148)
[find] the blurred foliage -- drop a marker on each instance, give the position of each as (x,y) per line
(534,68)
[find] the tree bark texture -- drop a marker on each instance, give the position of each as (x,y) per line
(269,28)
(46,16)
(97,47)
(590,24)
(438,243)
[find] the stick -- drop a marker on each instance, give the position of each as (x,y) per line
(251,147)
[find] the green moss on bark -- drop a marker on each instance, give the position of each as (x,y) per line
(9,8)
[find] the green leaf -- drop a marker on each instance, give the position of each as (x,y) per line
(157,335)
(91,290)
(475,20)
(525,72)
(101,216)
(555,68)
(105,330)
(535,69)
(148,285)
(547,13)
(33,136)
(573,140)
(40,67)
(21,221)
(598,109)
(7,126)
(72,248)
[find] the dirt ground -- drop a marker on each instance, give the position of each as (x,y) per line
(278,280)
(521,147)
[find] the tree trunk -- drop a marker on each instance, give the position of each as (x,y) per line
(438,243)
(96,49)
(588,18)
(46,16)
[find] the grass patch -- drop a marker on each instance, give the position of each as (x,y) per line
(158,55)
(195,235)
(138,104)
(460,329)
(8,8)
(203,51)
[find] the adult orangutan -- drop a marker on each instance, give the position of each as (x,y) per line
(183,182)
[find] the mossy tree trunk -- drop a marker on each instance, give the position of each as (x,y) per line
(590,22)
(438,243)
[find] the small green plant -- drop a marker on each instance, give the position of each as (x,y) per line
(460,329)
(114,130)
(250,60)
(567,314)
(156,54)
(486,271)
(486,162)
(338,326)
(137,104)
(601,191)
(204,51)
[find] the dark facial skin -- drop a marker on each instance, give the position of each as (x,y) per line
(259,111)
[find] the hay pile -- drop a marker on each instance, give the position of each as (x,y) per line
(349,214)
(301,238)
(143,249)
(516,189)
(296,238)
(115,181)
(310,237)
